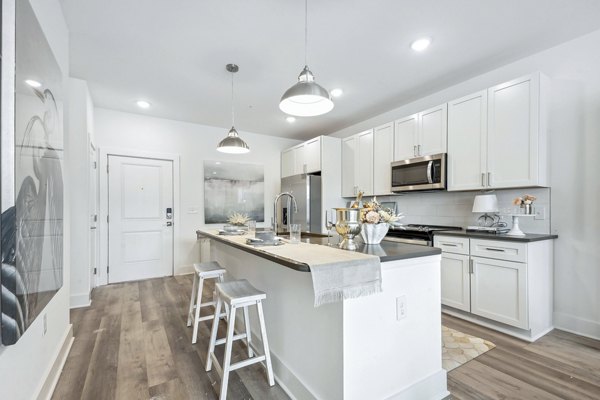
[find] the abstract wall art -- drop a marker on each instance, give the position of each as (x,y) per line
(233,187)
(32,181)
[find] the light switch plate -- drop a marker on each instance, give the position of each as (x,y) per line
(401,310)
(540,213)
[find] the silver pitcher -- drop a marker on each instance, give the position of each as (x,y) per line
(347,226)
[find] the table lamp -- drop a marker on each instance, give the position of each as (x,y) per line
(485,203)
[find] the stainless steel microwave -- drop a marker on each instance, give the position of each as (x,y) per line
(421,173)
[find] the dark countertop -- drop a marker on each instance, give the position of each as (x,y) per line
(387,251)
(529,237)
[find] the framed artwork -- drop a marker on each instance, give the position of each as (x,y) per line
(233,187)
(31,160)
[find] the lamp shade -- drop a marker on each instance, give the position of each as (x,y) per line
(485,203)
(233,144)
(306,98)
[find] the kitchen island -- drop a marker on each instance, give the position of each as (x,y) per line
(382,346)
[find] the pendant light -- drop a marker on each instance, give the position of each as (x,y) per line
(306,98)
(233,143)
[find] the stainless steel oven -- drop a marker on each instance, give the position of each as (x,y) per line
(421,173)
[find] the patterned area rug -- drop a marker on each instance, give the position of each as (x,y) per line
(458,348)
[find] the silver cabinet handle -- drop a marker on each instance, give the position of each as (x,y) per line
(489,182)
(449,244)
(471,266)
(419,150)
(483,179)
(493,249)
(415,150)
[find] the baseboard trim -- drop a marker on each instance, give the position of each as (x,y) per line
(576,325)
(80,300)
(184,270)
(434,387)
(53,373)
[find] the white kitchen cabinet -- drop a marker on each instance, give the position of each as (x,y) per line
(304,158)
(357,164)
(383,155)
(516,134)
(499,291)
(406,137)
(456,277)
(497,137)
(467,142)
(421,134)
(502,284)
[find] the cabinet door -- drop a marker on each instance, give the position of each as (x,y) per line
(433,131)
(467,142)
(383,155)
(513,133)
(349,159)
(364,170)
(312,155)
(456,285)
(405,138)
(288,162)
(300,160)
(499,291)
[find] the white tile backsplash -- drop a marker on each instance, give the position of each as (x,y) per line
(454,208)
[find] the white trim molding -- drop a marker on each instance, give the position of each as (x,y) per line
(102,277)
(577,325)
(47,387)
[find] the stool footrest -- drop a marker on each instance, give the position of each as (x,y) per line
(207,317)
(235,337)
(247,362)
(216,364)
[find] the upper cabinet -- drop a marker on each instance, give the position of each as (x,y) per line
(304,158)
(421,134)
(497,137)
(383,155)
(357,164)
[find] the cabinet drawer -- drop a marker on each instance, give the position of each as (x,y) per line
(500,250)
(452,244)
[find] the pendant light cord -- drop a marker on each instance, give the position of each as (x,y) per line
(232,100)
(305,32)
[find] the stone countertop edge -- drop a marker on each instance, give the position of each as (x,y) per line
(529,237)
(403,251)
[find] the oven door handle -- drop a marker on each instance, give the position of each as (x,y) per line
(429,167)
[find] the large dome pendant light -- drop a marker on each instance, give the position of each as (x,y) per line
(233,143)
(306,98)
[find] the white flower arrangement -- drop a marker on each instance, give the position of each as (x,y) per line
(373,213)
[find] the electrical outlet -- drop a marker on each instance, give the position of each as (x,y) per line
(540,213)
(401,307)
(45,324)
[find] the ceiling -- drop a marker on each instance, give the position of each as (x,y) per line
(173,53)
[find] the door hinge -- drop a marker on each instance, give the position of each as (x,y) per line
(95,165)
(95,271)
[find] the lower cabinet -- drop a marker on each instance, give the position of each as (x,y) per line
(499,291)
(504,282)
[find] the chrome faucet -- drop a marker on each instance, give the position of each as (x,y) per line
(289,219)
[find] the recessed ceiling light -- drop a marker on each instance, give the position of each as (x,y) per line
(337,92)
(33,83)
(420,44)
(218,163)
(290,119)
(142,104)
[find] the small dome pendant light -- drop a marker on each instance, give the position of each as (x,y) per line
(306,98)
(233,143)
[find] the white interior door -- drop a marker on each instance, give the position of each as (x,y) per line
(140,229)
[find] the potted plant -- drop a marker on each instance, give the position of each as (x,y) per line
(376,221)
(238,220)
(525,202)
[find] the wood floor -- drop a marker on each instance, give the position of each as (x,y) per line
(133,343)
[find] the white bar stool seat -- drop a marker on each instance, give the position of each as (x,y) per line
(238,294)
(202,271)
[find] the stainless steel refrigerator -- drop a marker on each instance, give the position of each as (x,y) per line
(307,192)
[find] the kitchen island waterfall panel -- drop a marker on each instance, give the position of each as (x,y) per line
(354,349)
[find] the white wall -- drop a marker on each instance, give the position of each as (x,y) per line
(25,366)
(193,143)
(574,128)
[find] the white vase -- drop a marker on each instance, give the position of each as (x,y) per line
(374,233)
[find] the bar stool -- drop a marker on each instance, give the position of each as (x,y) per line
(237,294)
(202,271)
